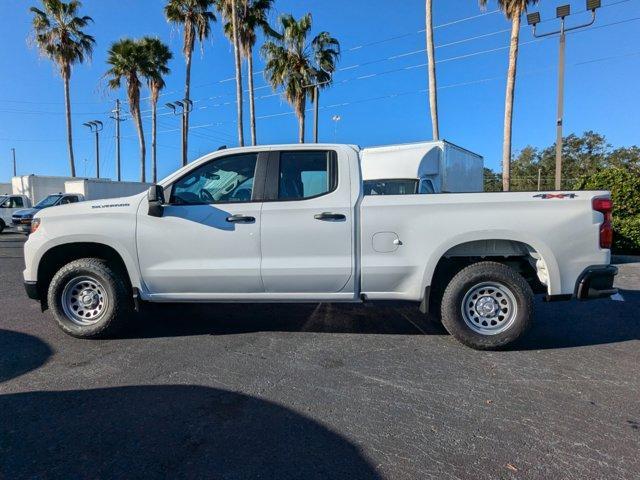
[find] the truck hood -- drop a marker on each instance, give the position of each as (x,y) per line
(26,212)
(95,207)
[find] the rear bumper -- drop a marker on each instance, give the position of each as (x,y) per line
(32,290)
(596,282)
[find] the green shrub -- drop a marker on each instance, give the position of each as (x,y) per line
(626,234)
(624,184)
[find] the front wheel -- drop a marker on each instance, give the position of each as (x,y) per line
(89,299)
(487,305)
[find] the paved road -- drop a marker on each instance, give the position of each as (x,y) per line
(241,392)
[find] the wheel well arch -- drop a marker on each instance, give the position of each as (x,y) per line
(519,255)
(56,257)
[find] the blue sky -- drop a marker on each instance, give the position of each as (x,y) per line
(379,99)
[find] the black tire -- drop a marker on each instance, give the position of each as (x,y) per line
(109,285)
(2,225)
(473,280)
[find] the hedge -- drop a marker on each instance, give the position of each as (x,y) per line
(624,185)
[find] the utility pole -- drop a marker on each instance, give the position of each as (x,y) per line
(117,118)
(539,178)
(13,151)
(96,126)
(562,12)
(182,108)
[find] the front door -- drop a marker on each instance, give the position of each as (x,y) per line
(207,242)
(307,225)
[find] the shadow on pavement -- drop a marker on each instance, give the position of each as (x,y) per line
(166,320)
(578,324)
(172,431)
(556,325)
(20,353)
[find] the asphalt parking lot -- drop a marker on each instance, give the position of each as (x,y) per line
(317,391)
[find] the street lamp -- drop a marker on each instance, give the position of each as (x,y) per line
(335,119)
(562,12)
(95,126)
(182,107)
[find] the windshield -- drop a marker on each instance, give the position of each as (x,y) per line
(3,198)
(49,201)
(391,187)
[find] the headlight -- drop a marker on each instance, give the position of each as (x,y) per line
(35,224)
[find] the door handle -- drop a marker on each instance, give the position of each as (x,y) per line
(240,219)
(329,216)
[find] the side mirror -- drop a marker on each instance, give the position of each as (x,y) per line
(155,196)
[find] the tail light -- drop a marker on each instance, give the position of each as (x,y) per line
(604,206)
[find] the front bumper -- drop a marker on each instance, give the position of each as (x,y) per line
(32,290)
(596,282)
(22,225)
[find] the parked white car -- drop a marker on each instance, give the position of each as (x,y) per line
(290,223)
(9,204)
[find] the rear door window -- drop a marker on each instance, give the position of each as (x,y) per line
(305,174)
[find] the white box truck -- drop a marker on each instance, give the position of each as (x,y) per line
(425,167)
(37,187)
(99,188)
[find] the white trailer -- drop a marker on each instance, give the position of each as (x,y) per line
(37,187)
(99,188)
(425,167)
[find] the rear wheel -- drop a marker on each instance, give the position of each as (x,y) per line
(2,225)
(89,299)
(487,305)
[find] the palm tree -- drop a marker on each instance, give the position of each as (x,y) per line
(158,56)
(59,36)
(129,62)
(251,16)
(431,60)
(196,18)
(513,10)
(298,67)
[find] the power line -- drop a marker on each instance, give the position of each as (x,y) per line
(406,54)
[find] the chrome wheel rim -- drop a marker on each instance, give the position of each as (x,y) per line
(489,308)
(84,300)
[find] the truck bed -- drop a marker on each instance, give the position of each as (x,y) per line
(400,235)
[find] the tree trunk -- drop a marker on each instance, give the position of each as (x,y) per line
(236,52)
(300,112)
(67,101)
(508,101)
(433,93)
(154,118)
(185,112)
(252,107)
(143,151)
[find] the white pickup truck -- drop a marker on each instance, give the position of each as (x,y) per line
(290,223)
(10,204)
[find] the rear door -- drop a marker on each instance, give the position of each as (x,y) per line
(307,225)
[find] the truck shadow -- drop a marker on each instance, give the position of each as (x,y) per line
(167,431)
(578,324)
(167,320)
(20,353)
(556,325)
